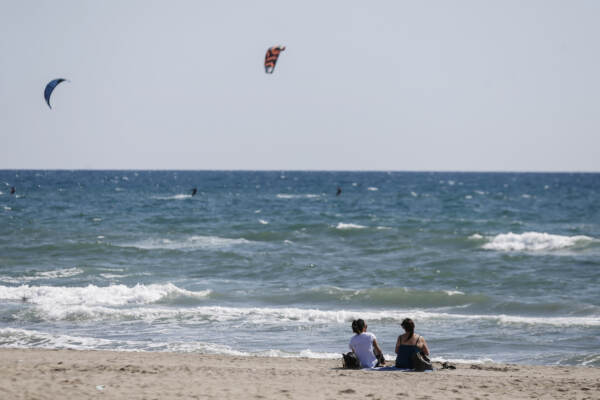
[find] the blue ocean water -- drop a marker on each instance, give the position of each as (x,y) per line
(491,266)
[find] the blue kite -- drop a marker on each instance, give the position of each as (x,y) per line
(50,88)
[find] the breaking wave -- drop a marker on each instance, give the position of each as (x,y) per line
(23,338)
(56,303)
(532,241)
(298,196)
(54,274)
(190,243)
(180,196)
(342,225)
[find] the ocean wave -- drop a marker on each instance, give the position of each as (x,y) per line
(295,316)
(53,274)
(377,297)
(23,338)
(144,303)
(345,226)
(59,302)
(190,243)
(533,241)
(463,360)
(372,189)
(298,196)
(180,196)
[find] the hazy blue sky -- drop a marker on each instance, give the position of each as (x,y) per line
(363,85)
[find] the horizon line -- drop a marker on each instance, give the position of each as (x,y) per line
(311,170)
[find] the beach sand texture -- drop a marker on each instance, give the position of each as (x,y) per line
(73,374)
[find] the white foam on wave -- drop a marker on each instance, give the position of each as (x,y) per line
(180,196)
(144,302)
(453,292)
(59,302)
(297,196)
(372,188)
(300,316)
(54,274)
(263,222)
(533,241)
(306,353)
(190,243)
(345,226)
(112,276)
(23,338)
(462,360)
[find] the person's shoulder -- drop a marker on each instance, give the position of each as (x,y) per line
(372,335)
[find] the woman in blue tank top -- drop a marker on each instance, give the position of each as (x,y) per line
(408,344)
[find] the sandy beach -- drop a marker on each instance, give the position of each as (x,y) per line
(70,374)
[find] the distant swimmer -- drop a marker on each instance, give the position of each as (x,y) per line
(339,191)
(194,191)
(13,190)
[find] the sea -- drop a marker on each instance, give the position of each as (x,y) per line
(492,267)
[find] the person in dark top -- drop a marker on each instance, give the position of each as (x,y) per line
(339,191)
(12,190)
(408,344)
(194,191)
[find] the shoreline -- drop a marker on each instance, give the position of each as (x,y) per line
(80,374)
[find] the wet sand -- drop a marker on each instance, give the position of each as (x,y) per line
(73,374)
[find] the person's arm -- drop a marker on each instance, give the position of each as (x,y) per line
(376,346)
(425,349)
(397,344)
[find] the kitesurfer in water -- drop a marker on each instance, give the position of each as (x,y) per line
(194,191)
(13,190)
(339,191)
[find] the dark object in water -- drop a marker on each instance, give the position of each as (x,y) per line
(12,190)
(194,191)
(339,191)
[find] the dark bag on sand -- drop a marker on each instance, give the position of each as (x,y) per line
(350,361)
(421,362)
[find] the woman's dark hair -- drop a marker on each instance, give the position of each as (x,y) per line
(357,326)
(409,327)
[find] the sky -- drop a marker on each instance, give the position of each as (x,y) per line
(477,85)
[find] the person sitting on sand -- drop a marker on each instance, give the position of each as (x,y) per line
(408,344)
(364,345)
